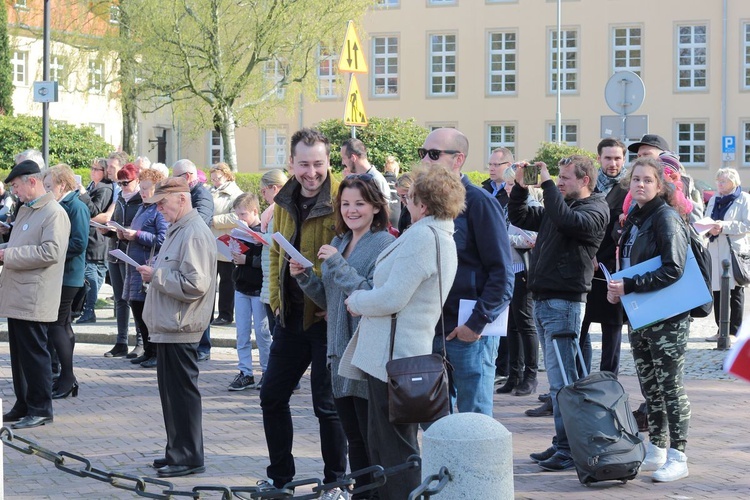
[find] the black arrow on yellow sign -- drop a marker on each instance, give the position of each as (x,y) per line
(352,59)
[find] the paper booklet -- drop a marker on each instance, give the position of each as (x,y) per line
(226,245)
(256,236)
(498,328)
(119,254)
(704,225)
(292,252)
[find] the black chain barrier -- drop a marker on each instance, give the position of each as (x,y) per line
(149,487)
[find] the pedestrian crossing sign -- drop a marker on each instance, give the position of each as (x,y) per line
(354,114)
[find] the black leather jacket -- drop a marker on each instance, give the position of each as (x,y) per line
(661,232)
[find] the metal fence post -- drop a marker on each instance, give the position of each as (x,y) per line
(723,341)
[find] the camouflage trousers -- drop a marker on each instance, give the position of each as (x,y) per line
(659,354)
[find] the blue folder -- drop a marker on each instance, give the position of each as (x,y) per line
(688,292)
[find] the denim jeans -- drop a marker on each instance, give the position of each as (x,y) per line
(122,309)
(250,314)
(554,316)
(473,376)
(95,273)
(294,349)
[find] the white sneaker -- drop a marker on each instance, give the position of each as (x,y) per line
(335,494)
(655,458)
(675,468)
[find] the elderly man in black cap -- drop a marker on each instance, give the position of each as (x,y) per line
(654,146)
(34,261)
(178,309)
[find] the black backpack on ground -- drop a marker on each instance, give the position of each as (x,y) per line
(602,432)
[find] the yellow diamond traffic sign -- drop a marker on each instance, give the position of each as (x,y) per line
(355,107)
(352,59)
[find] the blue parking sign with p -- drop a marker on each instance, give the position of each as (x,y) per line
(728,144)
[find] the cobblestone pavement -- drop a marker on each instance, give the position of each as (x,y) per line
(116,422)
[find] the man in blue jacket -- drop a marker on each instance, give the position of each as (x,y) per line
(485,275)
(570,227)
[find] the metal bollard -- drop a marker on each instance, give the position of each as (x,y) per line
(723,342)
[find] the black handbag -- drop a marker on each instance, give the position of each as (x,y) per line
(418,386)
(76,307)
(740,266)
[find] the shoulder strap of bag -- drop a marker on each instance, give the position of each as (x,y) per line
(440,287)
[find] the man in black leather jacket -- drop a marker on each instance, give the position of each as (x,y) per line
(571,226)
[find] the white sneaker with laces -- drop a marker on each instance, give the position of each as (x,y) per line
(335,494)
(675,468)
(655,458)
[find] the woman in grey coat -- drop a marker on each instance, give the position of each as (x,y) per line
(348,265)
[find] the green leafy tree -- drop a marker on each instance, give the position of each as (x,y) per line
(551,153)
(70,144)
(382,137)
(6,70)
(224,63)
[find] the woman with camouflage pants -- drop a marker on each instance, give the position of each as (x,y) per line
(653,228)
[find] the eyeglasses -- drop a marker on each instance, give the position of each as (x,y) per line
(96,168)
(123,183)
(496,165)
(364,177)
(183,174)
(435,153)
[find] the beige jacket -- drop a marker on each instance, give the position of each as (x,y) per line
(32,276)
(224,220)
(181,295)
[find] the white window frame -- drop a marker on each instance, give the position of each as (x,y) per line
(275,147)
(623,54)
(432,126)
(744,160)
(441,3)
(114,14)
(328,77)
(501,135)
(96,76)
(385,56)
(441,55)
(692,57)
(693,149)
(57,69)
(388,4)
(568,129)
(98,129)
(745,73)
(569,72)
(215,147)
(21,4)
(502,63)
(273,74)
(20,63)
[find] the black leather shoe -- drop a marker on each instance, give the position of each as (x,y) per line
(159,463)
(543,411)
(117,351)
(179,470)
(220,322)
(140,359)
(508,386)
(557,462)
(137,351)
(149,363)
(525,388)
(82,320)
(543,397)
(13,416)
(545,455)
(30,421)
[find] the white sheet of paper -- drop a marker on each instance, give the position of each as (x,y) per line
(606,272)
(498,328)
(704,225)
(529,239)
(292,252)
(119,254)
(100,226)
(113,224)
(223,249)
(256,237)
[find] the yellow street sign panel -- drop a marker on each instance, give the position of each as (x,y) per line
(352,59)
(355,107)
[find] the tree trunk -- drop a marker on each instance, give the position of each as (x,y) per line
(226,124)
(129,121)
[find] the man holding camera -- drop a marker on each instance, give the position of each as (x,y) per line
(571,226)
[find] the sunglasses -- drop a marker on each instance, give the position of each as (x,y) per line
(364,177)
(565,161)
(123,183)
(435,153)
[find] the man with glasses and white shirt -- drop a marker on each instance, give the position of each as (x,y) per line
(354,157)
(500,160)
(485,275)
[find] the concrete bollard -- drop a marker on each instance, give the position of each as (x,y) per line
(478,452)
